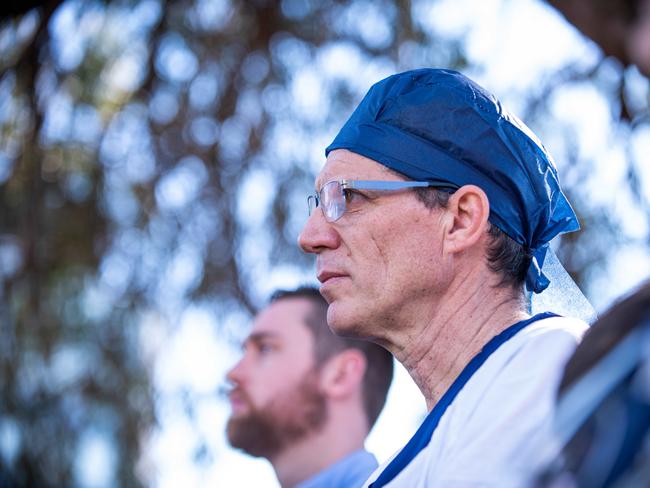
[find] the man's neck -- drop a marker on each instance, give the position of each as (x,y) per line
(308,457)
(444,339)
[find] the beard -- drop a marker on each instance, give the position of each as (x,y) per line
(290,417)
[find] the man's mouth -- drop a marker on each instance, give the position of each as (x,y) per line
(239,402)
(324,276)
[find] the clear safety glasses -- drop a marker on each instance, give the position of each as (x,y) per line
(334,195)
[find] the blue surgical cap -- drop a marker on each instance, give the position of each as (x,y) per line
(435,124)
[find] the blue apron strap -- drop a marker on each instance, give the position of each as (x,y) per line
(423,435)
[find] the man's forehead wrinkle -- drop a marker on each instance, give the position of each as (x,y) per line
(327,174)
(322,178)
(345,168)
(337,167)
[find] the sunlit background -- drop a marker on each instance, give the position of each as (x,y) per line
(155,159)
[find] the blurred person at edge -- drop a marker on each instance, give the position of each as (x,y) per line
(304,398)
(431,219)
(603,409)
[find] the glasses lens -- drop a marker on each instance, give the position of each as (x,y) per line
(332,200)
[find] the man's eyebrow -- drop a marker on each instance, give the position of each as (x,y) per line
(257,337)
(322,179)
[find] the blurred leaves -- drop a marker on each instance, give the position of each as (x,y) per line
(156,154)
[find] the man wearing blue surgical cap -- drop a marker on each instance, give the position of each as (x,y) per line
(436,210)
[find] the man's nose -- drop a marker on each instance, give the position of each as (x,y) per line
(236,375)
(318,234)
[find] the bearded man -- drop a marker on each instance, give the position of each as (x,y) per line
(304,398)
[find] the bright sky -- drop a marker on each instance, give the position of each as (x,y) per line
(513,44)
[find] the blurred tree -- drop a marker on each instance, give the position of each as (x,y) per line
(13,8)
(155,154)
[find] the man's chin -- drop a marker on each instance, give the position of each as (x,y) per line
(246,433)
(342,322)
(293,417)
(336,288)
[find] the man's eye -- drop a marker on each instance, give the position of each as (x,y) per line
(265,348)
(351,195)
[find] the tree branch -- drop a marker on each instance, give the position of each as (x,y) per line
(621,29)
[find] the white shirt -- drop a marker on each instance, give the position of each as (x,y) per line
(497,431)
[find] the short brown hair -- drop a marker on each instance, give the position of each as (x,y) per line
(379,368)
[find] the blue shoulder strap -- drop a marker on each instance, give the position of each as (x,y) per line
(423,435)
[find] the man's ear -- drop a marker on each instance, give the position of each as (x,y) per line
(469,209)
(342,374)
